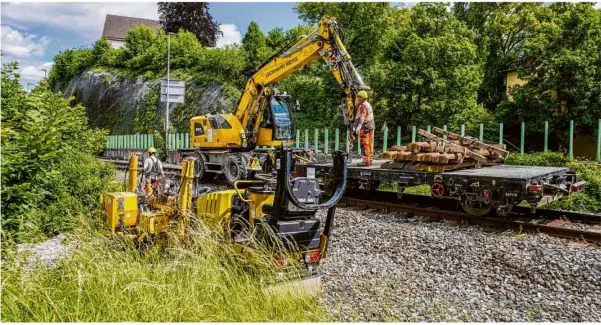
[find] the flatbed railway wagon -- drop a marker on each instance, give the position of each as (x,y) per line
(479,191)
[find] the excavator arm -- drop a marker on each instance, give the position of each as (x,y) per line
(325,43)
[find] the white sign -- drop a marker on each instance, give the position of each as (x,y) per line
(177,90)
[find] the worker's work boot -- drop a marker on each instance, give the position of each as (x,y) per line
(365,162)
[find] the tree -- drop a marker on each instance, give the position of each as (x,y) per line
(500,31)
(255,47)
(190,16)
(429,70)
(564,72)
(363,25)
(276,38)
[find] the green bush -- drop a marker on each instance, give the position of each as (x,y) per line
(587,200)
(50,174)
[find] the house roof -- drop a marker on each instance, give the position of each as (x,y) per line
(115,27)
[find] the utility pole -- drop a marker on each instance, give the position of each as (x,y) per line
(44,73)
(168,99)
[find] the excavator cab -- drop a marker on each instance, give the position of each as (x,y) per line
(276,124)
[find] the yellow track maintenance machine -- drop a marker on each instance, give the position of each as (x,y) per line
(277,206)
(145,214)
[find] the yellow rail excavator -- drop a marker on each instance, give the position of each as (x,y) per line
(242,143)
(278,206)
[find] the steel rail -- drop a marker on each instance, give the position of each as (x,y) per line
(446,209)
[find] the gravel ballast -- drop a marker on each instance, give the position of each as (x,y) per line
(386,266)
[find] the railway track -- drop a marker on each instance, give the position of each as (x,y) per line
(551,222)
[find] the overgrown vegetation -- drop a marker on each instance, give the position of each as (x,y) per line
(50,174)
(110,281)
(588,199)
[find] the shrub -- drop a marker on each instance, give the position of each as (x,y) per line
(587,200)
(50,173)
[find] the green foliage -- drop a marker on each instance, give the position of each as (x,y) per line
(49,171)
(109,281)
(255,47)
(563,71)
(69,64)
(429,70)
(363,24)
(500,31)
(588,199)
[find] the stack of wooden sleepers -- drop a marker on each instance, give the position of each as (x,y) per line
(437,154)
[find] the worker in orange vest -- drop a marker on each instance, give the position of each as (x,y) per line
(364,127)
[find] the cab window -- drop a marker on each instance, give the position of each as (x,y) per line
(218,122)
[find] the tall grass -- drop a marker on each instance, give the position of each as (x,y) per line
(108,280)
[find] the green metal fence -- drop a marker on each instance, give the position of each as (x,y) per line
(178,141)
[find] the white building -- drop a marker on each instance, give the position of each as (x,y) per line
(115,28)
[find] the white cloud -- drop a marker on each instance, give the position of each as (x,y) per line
(33,73)
(19,44)
(231,35)
(597,5)
(86,19)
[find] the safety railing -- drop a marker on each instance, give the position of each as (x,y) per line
(323,137)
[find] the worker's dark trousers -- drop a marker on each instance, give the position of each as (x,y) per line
(365,136)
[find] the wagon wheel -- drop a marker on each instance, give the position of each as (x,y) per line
(474,207)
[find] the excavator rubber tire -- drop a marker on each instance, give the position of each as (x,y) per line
(200,171)
(234,168)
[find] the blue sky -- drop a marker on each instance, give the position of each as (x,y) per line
(32,33)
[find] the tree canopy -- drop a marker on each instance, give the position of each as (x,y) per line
(190,16)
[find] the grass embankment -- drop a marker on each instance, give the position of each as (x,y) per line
(588,200)
(107,280)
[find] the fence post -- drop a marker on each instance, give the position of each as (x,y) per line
(297,138)
(347,144)
(316,139)
(599,141)
(481,137)
(336,139)
(358,146)
(501,132)
(462,130)
(398,135)
(385,144)
(546,135)
(571,146)
(522,137)
(444,127)
(326,143)
(188,141)
(151,138)
(413,133)
(306,139)
(429,129)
